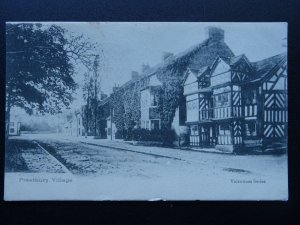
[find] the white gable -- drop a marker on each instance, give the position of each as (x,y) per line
(221,73)
(190,78)
(280,85)
(190,84)
(280,81)
(221,68)
(154,81)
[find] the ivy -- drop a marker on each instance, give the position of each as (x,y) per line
(117,109)
(171,77)
(171,74)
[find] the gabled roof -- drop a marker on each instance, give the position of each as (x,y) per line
(197,72)
(232,61)
(202,71)
(263,67)
(235,60)
(193,71)
(199,56)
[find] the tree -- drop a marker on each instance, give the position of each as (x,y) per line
(92,96)
(40,66)
(87,95)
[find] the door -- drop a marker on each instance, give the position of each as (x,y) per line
(194,135)
(207,135)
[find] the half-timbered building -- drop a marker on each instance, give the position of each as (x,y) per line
(234,104)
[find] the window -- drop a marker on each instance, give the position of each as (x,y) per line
(191,105)
(221,100)
(147,125)
(224,129)
(250,97)
(194,130)
(154,124)
(154,98)
(250,127)
(11,130)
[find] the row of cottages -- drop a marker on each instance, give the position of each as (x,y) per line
(197,56)
(233,103)
(228,102)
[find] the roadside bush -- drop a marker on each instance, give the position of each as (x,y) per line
(165,136)
(119,134)
(140,134)
(127,135)
(169,136)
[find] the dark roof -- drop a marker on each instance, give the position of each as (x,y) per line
(235,59)
(207,52)
(232,61)
(202,70)
(263,67)
(201,55)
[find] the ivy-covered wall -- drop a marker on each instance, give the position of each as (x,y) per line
(126,101)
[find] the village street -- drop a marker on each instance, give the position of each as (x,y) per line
(83,156)
(124,171)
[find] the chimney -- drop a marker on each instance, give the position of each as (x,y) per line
(216,34)
(115,88)
(166,55)
(134,75)
(145,67)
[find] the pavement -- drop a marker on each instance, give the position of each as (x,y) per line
(104,169)
(168,152)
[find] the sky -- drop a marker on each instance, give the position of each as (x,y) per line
(125,46)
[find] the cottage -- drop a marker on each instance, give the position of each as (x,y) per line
(228,102)
(234,104)
(150,83)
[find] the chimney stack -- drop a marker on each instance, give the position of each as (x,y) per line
(216,34)
(145,67)
(134,75)
(166,55)
(115,88)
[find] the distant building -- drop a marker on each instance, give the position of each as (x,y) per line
(111,129)
(14,128)
(73,124)
(150,116)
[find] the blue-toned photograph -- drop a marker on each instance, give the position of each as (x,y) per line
(146,111)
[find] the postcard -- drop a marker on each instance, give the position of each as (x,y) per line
(146,111)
